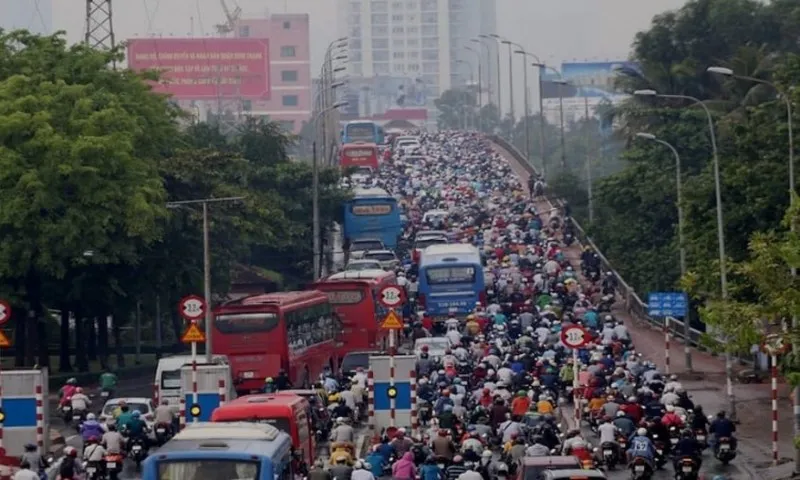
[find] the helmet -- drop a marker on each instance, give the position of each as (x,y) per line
(91,416)
(30,447)
(94,439)
(641,432)
(268,380)
(72,381)
(136,414)
(670,408)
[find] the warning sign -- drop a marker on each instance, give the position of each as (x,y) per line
(392,322)
(193,334)
(4,342)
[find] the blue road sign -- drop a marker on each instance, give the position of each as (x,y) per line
(667,304)
(401,402)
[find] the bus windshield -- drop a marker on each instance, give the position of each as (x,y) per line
(361,132)
(205,469)
(246,322)
(441,275)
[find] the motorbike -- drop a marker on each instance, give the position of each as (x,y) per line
(138,451)
(686,469)
(661,458)
(94,470)
(701,436)
(77,418)
(163,433)
(425,413)
(113,465)
(66,411)
(674,435)
(723,450)
(640,469)
(622,441)
(609,451)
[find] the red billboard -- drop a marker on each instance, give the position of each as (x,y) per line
(205,68)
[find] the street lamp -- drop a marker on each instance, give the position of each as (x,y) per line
(316,244)
(522,52)
(561,82)
(723,270)
(206,259)
(497,61)
(505,41)
(480,87)
(681,240)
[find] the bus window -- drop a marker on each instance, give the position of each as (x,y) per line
(205,469)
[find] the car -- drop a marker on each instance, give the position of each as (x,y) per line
(533,468)
(388,260)
(362,245)
(365,264)
(143,405)
(354,360)
(436,346)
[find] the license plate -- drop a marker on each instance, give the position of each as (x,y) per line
(111,465)
(76,417)
(104,394)
(441,465)
(673,441)
(660,452)
(606,452)
(160,430)
(724,448)
(91,470)
(248,374)
(137,449)
(67,409)
(687,469)
(639,468)
(701,438)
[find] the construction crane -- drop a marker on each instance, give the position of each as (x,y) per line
(232,18)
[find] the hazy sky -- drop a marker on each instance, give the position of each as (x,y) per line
(556,30)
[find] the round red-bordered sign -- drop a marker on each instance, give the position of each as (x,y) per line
(192,308)
(574,336)
(5,312)
(391,296)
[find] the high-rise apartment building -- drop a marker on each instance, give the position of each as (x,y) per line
(422,40)
(290,68)
(36,16)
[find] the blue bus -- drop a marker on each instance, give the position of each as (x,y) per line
(451,279)
(373,214)
(203,451)
(363,131)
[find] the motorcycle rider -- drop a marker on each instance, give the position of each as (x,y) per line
(721,427)
(608,433)
(687,446)
(641,446)
(94,453)
(91,428)
(538,449)
(25,472)
(108,383)
(282,381)
(165,416)
(671,418)
(624,424)
(343,432)
(113,441)
(34,458)
(70,467)
(269,386)
(80,402)
(135,426)
(67,391)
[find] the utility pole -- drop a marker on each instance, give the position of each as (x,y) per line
(99,25)
(589,161)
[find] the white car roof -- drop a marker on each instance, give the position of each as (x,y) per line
(115,401)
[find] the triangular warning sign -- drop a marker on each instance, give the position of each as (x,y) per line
(4,342)
(193,334)
(392,322)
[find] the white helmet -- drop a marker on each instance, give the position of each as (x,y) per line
(670,408)
(641,432)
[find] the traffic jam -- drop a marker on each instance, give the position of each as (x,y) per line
(457,341)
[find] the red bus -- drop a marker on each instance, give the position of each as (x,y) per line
(288,413)
(261,334)
(359,155)
(354,296)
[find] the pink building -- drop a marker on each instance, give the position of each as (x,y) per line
(290,68)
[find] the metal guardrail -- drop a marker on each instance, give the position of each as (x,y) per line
(632,302)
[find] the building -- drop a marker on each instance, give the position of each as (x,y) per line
(290,68)
(419,41)
(27,14)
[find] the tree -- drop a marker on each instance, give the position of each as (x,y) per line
(78,143)
(457,108)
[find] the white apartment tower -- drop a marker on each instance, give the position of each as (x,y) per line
(421,39)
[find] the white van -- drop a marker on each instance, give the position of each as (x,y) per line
(168,376)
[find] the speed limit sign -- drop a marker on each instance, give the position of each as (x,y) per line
(391,296)
(192,308)
(574,336)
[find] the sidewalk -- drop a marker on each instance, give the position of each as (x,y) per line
(706,383)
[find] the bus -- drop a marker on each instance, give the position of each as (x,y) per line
(373,213)
(211,450)
(262,334)
(450,279)
(354,296)
(363,131)
(287,413)
(359,155)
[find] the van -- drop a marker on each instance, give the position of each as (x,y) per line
(167,384)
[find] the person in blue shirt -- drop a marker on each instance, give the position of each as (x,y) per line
(641,446)
(385,449)
(430,470)
(375,461)
(442,402)
(721,427)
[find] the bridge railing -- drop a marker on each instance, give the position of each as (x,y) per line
(631,300)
